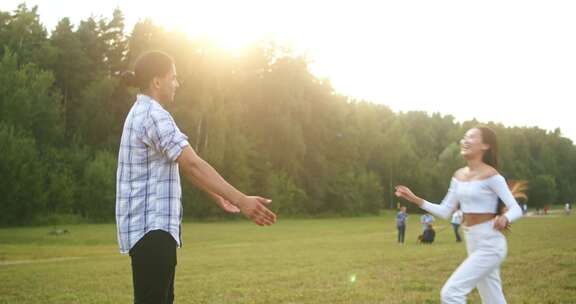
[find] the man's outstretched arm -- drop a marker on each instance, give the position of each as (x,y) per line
(201,174)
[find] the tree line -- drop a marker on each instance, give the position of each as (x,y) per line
(258,116)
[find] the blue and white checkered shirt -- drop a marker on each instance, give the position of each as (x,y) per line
(148,192)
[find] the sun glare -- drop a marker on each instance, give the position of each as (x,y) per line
(231,25)
(410,57)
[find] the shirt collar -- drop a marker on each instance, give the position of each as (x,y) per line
(145,98)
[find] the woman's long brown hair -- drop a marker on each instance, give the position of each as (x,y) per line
(491,156)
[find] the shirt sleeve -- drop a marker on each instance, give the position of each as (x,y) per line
(448,205)
(499,186)
(162,134)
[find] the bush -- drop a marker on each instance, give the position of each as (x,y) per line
(98,190)
(22,177)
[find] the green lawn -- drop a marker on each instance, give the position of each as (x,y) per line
(348,260)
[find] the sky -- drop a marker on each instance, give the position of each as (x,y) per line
(512,62)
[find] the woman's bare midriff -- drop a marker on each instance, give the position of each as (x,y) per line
(471,219)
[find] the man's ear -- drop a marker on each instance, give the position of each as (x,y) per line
(156,82)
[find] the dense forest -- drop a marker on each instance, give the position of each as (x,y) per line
(259,116)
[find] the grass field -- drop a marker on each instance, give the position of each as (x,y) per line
(347,260)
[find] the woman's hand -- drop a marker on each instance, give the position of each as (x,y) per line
(405,193)
(501,223)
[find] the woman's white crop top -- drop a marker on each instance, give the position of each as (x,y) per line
(476,196)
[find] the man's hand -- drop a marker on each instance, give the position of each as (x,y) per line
(253,208)
(201,174)
(224,204)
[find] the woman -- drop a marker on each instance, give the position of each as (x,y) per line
(476,189)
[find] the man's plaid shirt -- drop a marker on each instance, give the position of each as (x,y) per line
(148,192)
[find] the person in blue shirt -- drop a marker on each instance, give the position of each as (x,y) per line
(426,220)
(401,224)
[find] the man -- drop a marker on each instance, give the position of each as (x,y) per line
(401,224)
(456,222)
(148,198)
(428,235)
(524,208)
(426,220)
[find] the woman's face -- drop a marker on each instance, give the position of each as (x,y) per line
(471,144)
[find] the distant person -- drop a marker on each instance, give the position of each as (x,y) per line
(401,224)
(456,222)
(567,208)
(148,192)
(476,189)
(426,220)
(428,235)
(524,208)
